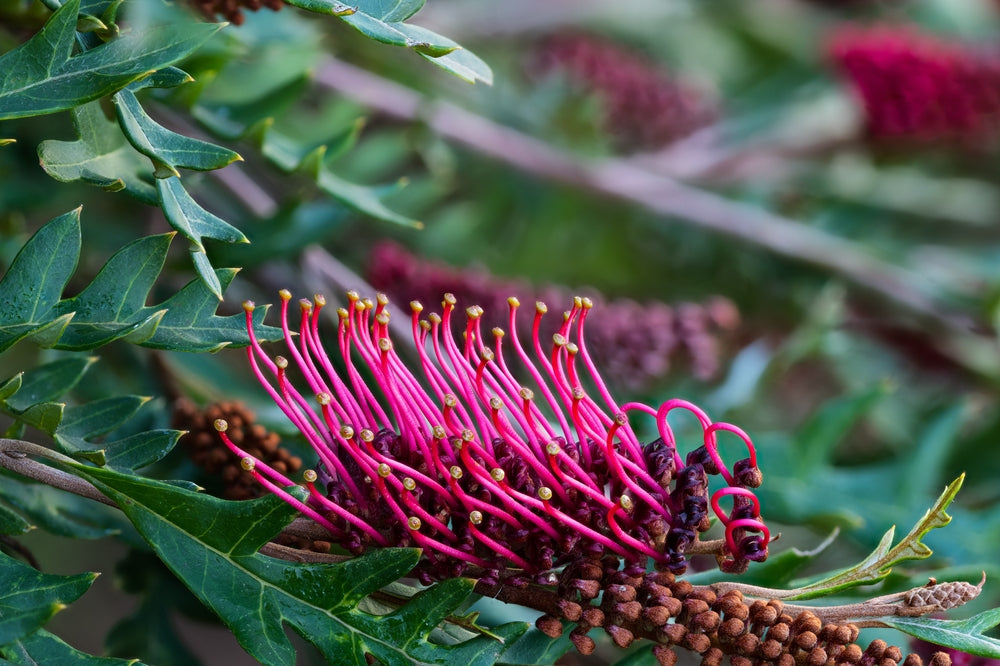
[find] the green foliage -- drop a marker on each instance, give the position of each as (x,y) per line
(29,598)
(963,635)
(212,546)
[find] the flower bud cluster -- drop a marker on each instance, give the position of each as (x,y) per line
(515,461)
(645,108)
(637,343)
(675,614)
(918,86)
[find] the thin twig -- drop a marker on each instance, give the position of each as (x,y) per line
(14,456)
(630,182)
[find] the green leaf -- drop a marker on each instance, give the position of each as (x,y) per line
(28,598)
(35,279)
(40,76)
(534,647)
(211,545)
(964,635)
(47,382)
(878,564)
(190,323)
(112,305)
(168,150)
(101,157)
(83,422)
(139,450)
(62,513)
(42,647)
(12,523)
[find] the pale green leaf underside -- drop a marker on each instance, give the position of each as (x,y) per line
(964,635)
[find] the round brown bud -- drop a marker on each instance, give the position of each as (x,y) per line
(893,652)
(885,661)
(594,617)
(806,621)
(817,657)
(588,588)
(694,606)
(707,621)
(737,660)
(672,633)
(705,594)
(770,649)
(682,588)
(620,592)
(746,644)
(806,640)
(785,659)
(732,627)
(940,659)
(550,626)
(672,604)
(588,571)
(628,611)
(851,654)
(875,649)
(913,660)
(779,632)
(697,642)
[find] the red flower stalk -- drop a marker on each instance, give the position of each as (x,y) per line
(919,86)
(506,460)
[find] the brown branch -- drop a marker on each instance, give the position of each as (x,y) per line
(630,182)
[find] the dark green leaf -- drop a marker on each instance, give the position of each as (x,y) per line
(12,523)
(42,647)
(963,635)
(107,308)
(62,513)
(83,422)
(101,157)
(50,381)
(211,545)
(28,598)
(40,77)
(168,150)
(534,647)
(139,450)
(34,281)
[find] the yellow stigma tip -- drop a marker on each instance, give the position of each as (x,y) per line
(587,303)
(449,299)
(572,348)
(540,307)
(319,300)
(285,295)
(323,398)
(526,394)
(382,298)
(513,302)
(343,313)
(559,340)
(498,332)
(369,303)
(577,302)
(353,296)
(545,493)
(472,312)
(468,435)
(305,305)
(621,419)
(281,362)
(385,344)
(310,476)
(625,502)
(456,472)
(409,484)
(425,325)
(450,400)
(384,471)
(553,448)
(248,463)
(367,435)
(416,306)
(475,517)
(498,474)
(248,306)
(221,425)
(487,354)
(578,393)
(438,432)
(495,403)
(347,432)
(413,523)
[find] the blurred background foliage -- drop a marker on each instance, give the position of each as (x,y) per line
(720,176)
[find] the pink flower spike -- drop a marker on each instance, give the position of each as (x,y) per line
(475,517)
(733,491)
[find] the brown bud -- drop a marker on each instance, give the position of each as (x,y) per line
(584,643)
(697,642)
(779,632)
(875,649)
(712,657)
(806,640)
(620,635)
(656,615)
(620,592)
(850,655)
(682,588)
(817,657)
(913,660)
(570,610)
(885,661)
(706,622)
(593,617)
(673,605)
(664,655)
(588,571)
(732,627)
(785,659)
(550,626)
(806,621)
(588,588)
(705,594)
(940,659)
(736,660)
(747,644)
(893,652)
(673,633)
(628,611)
(764,617)
(694,606)
(729,603)
(770,649)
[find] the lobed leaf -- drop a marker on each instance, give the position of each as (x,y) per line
(41,76)
(28,598)
(211,545)
(42,647)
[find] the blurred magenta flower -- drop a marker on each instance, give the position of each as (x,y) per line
(504,454)
(645,107)
(919,86)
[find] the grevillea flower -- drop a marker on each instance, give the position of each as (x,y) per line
(645,107)
(919,86)
(501,455)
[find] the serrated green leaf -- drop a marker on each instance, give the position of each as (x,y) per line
(35,279)
(211,545)
(534,647)
(963,635)
(878,564)
(107,308)
(139,450)
(62,513)
(28,598)
(42,647)
(167,148)
(101,157)
(83,422)
(40,76)
(49,381)
(190,323)
(45,416)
